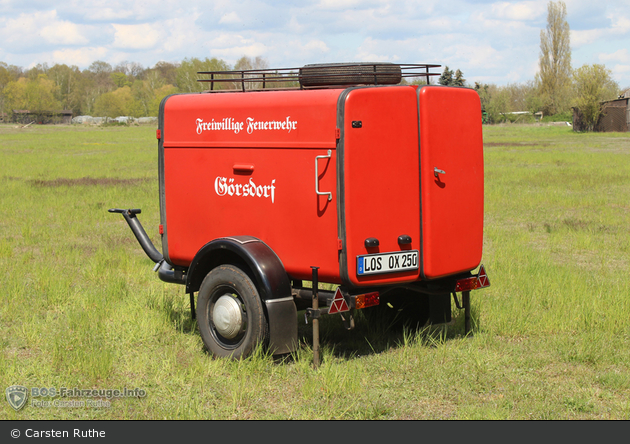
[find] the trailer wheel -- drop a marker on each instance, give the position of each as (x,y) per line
(230,313)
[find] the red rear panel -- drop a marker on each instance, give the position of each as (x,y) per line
(380,181)
(452,202)
(244,164)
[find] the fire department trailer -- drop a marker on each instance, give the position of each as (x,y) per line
(348,178)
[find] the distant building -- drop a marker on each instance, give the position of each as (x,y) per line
(615,116)
(26,116)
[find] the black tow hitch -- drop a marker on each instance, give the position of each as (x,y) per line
(165,271)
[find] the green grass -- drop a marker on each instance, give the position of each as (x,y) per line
(81,307)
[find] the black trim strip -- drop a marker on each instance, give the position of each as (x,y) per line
(341,189)
(422,275)
(161,179)
(161,175)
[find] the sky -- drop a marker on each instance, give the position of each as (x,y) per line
(489,41)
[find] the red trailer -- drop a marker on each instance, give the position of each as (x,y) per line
(348,178)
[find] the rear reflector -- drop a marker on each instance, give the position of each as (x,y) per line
(366,300)
(338,303)
(474,282)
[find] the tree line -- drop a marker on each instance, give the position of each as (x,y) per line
(126,89)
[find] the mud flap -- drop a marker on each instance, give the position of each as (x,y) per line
(282,316)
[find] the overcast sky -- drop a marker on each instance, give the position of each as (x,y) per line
(490,41)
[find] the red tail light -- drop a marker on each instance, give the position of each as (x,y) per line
(474,282)
(366,300)
(467,284)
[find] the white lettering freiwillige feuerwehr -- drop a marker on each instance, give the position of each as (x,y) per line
(230,124)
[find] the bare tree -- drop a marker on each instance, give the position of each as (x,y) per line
(167,70)
(554,77)
(246,63)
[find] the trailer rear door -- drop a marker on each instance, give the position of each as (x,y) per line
(379,185)
(451,164)
(410,178)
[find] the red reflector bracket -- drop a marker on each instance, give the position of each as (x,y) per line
(366,300)
(482,278)
(338,303)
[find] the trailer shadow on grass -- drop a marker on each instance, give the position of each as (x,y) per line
(371,338)
(368,337)
(177,312)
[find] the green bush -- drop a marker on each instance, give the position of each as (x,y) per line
(566,116)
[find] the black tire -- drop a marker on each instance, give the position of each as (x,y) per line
(350,74)
(400,308)
(236,295)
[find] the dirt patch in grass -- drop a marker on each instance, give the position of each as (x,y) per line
(87,181)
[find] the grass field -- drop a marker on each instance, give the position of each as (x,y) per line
(81,307)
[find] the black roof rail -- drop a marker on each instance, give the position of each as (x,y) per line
(328,75)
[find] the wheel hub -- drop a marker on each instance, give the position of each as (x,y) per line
(227,316)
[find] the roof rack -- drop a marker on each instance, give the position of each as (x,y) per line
(331,75)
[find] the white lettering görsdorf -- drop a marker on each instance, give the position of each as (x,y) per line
(224,186)
(229,124)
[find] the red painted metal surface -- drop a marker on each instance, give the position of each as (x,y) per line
(382,185)
(209,194)
(452,202)
(245,164)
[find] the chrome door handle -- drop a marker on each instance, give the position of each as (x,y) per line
(321,193)
(438,171)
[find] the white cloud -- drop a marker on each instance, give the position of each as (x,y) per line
(108,14)
(585,37)
(253,49)
(338,4)
(621,55)
(63,33)
(622,71)
(41,27)
(529,10)
(620,24)
(142,36)
(294,26)
(231,18)
(180,34)
(482,56)
(79,57)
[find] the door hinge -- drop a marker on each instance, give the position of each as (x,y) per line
(339,244)
(337,133)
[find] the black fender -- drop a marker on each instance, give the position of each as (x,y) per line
(266,270)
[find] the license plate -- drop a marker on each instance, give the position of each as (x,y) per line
(387,262)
